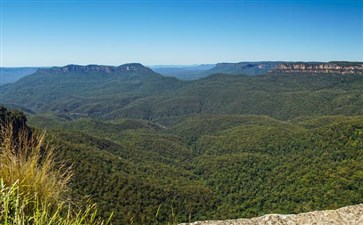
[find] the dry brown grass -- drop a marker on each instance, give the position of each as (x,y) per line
(33,189)
(28,160)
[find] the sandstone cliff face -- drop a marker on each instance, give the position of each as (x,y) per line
(321,68)
(350,215)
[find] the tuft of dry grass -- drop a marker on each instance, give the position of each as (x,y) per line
(32,189)
(14,210)
(27,160)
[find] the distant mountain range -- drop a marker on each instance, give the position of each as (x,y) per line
(201,71)
(184,72)
(260,68)
(194,72)
(12,74)
(135,91)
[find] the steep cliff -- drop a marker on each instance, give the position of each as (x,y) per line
(350,215)
(321,68)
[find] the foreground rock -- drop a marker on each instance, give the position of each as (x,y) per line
(350,215)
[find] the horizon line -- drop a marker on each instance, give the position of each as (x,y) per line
(179,65)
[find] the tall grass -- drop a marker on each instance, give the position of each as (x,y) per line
(27,160)
(14,206)
(33,190)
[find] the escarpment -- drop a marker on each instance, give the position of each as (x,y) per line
(320,68)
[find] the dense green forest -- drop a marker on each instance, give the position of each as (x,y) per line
(154,150)
(212,166)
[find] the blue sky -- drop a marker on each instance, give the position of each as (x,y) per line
(59,32)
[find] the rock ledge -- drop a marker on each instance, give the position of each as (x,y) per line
(350,215)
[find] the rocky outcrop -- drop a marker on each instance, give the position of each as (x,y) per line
(12,121)
(350,215)
(125,68)
(320,68)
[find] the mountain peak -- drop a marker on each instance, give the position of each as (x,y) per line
(129,67)
(133,67)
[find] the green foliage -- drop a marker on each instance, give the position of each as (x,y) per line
(134,178)
(279,172)
(214,166)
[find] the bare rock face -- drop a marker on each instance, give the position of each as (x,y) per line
(350,215)
(321,68)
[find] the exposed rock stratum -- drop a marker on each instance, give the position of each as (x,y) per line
(350,215)
(321,68)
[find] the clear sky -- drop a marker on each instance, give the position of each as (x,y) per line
(59,32)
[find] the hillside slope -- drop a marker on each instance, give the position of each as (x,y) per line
(247,68)
(146,95)
(86,90)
